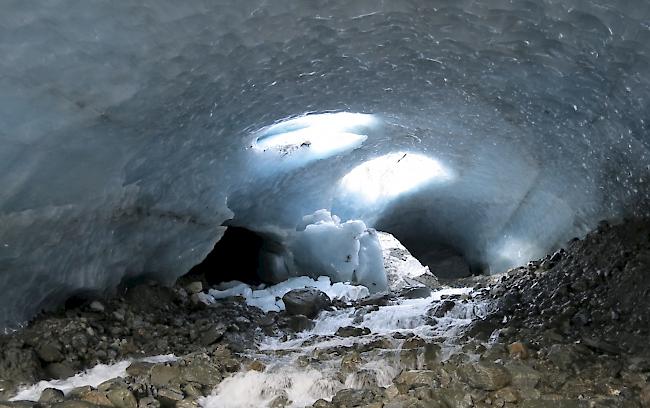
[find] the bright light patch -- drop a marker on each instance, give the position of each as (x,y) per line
(393,174)
(315,136)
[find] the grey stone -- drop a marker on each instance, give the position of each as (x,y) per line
(416,293)
(122,397)
(51,395)
(162,374)
(97,306)
(194,287)
(351,331)
(168,397)
(60,370)
(50,352)
(306,301)
(212,335)
(298,323)
(485,375)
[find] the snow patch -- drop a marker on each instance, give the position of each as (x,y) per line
(270,298)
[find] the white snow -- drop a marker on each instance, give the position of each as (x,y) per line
(92,377)
(270,298)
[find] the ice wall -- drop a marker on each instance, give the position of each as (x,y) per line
(128,131)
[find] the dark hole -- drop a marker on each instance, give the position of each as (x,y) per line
(235,257)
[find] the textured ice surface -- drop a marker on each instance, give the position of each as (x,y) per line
(126,128)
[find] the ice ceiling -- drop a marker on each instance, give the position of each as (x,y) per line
(130,131)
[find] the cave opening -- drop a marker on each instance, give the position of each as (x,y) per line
(236,256)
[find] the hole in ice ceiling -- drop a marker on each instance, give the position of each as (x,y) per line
(393,174)
(315,136)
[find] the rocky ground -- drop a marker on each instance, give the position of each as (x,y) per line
(571,330)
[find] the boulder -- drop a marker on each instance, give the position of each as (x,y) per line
(485,375)
(351,331)
(51,396)
(308,302)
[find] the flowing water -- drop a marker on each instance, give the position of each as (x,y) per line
(317,363)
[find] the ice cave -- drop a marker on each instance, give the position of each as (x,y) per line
(356,148)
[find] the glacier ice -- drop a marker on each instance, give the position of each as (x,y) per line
(126,128)
(322,245)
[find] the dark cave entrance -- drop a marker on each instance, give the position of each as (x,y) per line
(236,256)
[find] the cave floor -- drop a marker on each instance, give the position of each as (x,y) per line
(570,330)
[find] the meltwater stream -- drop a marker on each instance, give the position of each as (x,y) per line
(390,336)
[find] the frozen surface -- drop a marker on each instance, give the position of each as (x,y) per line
(270,298)
(131,131)
(92,377)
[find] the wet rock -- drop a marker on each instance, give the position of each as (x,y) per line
(169,397)
(163,374)
(51,395)
(353,398)
(442,308)
(257,365)
(431,354)
(456,397)
(409,379)
(60,370)
(351,331)
(50,352)
(280,401)
(553,403)
(403,401)
(148,402)
(194,287)
(73,404)
(19,364)
(563,356)
(408,359)
(507,394)
(522,375)
(121,397)
(97,306)
(518,350)
(377,299)
(94,397)
(212,335)
(485,375)
(351,362)
(192,389)
(297,323)
(139,369)
(7,389)
(307,301)
(202,370)
(187,403)
(19,404)
(416,293)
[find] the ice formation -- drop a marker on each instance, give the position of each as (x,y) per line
(131,131)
